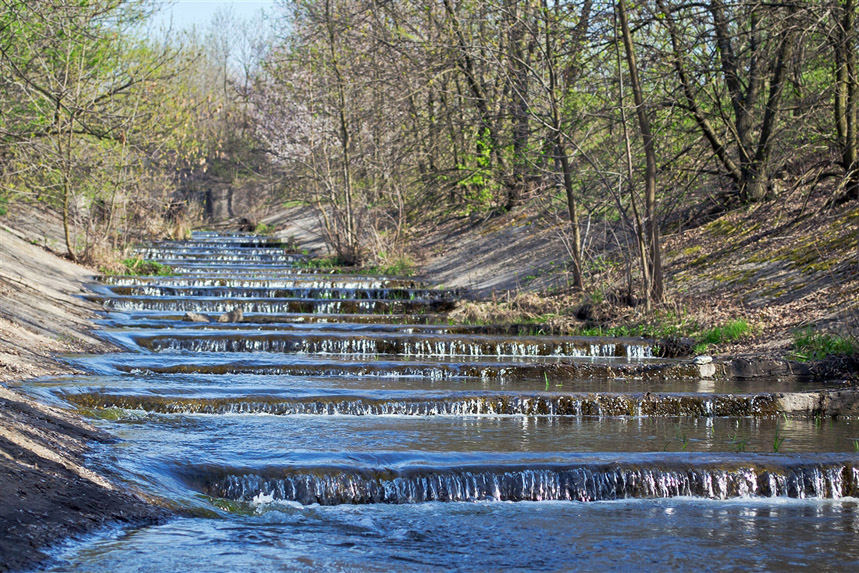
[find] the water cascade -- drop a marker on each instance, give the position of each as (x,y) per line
(339,421)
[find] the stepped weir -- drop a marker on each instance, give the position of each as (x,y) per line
(305,418)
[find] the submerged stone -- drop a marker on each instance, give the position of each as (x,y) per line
(194,317)
(234,315)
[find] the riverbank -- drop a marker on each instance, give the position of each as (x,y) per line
(49,491)
(41,313)
(781,267)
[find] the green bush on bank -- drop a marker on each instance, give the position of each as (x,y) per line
(264,230)
(402,267)
(318,263)
(670,328)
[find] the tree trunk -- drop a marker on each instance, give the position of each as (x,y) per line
(66,159)
(846,92)
(350,253)
(518,102)
(560,156)
(651,224)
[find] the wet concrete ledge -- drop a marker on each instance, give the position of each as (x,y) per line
(762,367)
(744,368)
(826,403)
(834,403)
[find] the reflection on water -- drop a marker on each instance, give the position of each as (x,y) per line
(622,536)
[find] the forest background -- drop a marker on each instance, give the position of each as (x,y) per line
(616,124)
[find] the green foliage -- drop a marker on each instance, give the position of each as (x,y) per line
(402,266)
(479,183)
(140,267)
(600,263)
(263,229)
(292,203)
(681,437)
(319,263)
(4,205)
(811,345)
(739,442)
(731,331)
(661,325)
(83,117)
(778,439)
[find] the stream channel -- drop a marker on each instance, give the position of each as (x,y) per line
(339,422)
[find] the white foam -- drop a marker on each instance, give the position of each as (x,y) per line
(262,499)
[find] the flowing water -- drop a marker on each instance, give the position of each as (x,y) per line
(339,422)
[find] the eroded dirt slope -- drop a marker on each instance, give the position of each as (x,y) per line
(48,492)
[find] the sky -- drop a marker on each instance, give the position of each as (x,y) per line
(187,13)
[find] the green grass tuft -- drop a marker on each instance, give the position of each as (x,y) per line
(318,263)
(263,229)
(731,331)
(403,267)
(134,266)
(661,326)
(811,345)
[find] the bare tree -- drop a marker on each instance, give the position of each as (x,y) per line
(650,232)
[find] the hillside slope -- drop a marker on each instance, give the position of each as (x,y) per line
(40,312)
(781,265)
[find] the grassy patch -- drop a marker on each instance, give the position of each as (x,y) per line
(135,266)
(263,229)
(722,228)
(660,325)
(318,263)
(811,345)
(402,266)
(295,203)
(143,267)
(689,251)
(731,331)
